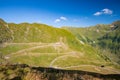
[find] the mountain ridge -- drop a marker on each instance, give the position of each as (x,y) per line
(104,36)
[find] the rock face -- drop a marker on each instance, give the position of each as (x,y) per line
(5,33)
(25,72)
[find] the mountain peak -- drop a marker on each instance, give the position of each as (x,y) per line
(2,21)
(115,25)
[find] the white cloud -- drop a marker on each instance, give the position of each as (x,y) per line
(97,13)
(107,11)
(57,20)
(60,19)
(63,18)
(104,11)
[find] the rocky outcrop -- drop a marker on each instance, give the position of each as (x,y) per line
(5,33)
(25,72)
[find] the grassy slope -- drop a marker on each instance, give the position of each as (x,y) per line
(100,35)
(89,34)
(111,41)
(5,34)
(42,33)
(76,52)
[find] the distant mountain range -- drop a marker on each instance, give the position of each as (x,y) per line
(106,37)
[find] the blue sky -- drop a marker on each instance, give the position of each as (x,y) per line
(77,13)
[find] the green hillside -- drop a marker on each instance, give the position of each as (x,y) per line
(35,32)
(5,34)
(42,45)
(104,37)
(111,40)
(89,34)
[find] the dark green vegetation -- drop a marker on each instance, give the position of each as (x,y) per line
(62,48)
(111,40)
(25,72)
(106,37)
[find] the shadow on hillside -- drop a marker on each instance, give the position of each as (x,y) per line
(25,72)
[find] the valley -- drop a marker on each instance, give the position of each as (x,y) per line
(40,45)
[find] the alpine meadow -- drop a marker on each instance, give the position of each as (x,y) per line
(43,40)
